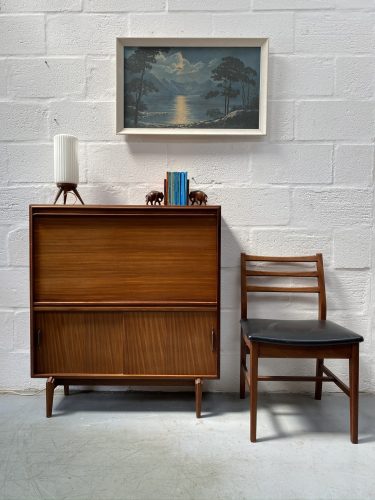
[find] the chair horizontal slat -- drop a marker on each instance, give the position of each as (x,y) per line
(303,289)
(308,258)
(291,274)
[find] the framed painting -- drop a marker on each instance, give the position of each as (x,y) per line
(192,86)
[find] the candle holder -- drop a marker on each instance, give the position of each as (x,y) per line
(66,166)
(66,187)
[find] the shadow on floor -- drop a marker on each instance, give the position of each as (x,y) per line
(288,415)
(142,401)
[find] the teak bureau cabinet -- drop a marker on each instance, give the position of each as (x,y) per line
(124,295)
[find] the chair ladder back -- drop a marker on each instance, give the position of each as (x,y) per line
(322,288)
(318,274)
(243,287)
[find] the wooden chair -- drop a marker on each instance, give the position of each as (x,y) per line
(271,338)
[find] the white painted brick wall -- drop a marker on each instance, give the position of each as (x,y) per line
(358,238)
(21,331)
(77,34)
(279,27)
(101,78)
(299,76)
(210,5)
(287,241)
(22,34)
(90,121)
(205,161)
(3,82)
(39,78)
(293,4)
(248,206)
(119,164)
(348,289)
(354,164)
(40,5)
(124,5)
(3,247)
(280,121)
(355,77)
(334,32)
(335,120)
(6,339)
(292,164)
(305,187)
(28,162)
(18,254)
(332,207)
(174,24)
(14,288)
(26,120)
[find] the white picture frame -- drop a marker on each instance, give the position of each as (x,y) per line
(126,44)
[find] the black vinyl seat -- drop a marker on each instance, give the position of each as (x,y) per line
(298,332)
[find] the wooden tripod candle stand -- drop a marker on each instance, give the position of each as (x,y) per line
(67,187)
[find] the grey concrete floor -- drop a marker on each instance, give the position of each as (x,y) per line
(138,445)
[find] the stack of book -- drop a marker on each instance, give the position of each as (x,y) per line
(176,188)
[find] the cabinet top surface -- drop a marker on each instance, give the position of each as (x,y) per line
(82,208)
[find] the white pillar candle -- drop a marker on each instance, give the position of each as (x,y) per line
(66,159)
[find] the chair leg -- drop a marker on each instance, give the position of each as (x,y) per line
(253,390)
(354,377)
(66,389)
(319,373)
(242,363)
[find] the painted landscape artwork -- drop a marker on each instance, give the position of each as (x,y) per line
(192,87)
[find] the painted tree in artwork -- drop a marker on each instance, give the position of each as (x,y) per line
(230,73)
(227,73)
(248,85)
(137,64)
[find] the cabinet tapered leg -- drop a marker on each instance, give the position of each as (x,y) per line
(198,397)
(66,389)
(50,388)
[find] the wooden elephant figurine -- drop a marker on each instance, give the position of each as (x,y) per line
(154,197)
(198,197)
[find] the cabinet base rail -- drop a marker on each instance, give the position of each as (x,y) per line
(53,382)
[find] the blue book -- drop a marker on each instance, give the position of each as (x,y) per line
(178,189)
(172,189)
(175,188)
(185,189)
(181,186)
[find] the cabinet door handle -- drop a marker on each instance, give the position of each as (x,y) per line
(213,340)
(38,338)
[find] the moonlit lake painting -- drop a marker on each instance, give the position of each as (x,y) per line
(191,87)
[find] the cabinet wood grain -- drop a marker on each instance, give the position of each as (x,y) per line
(124,293)
(79,342)
(163,343)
